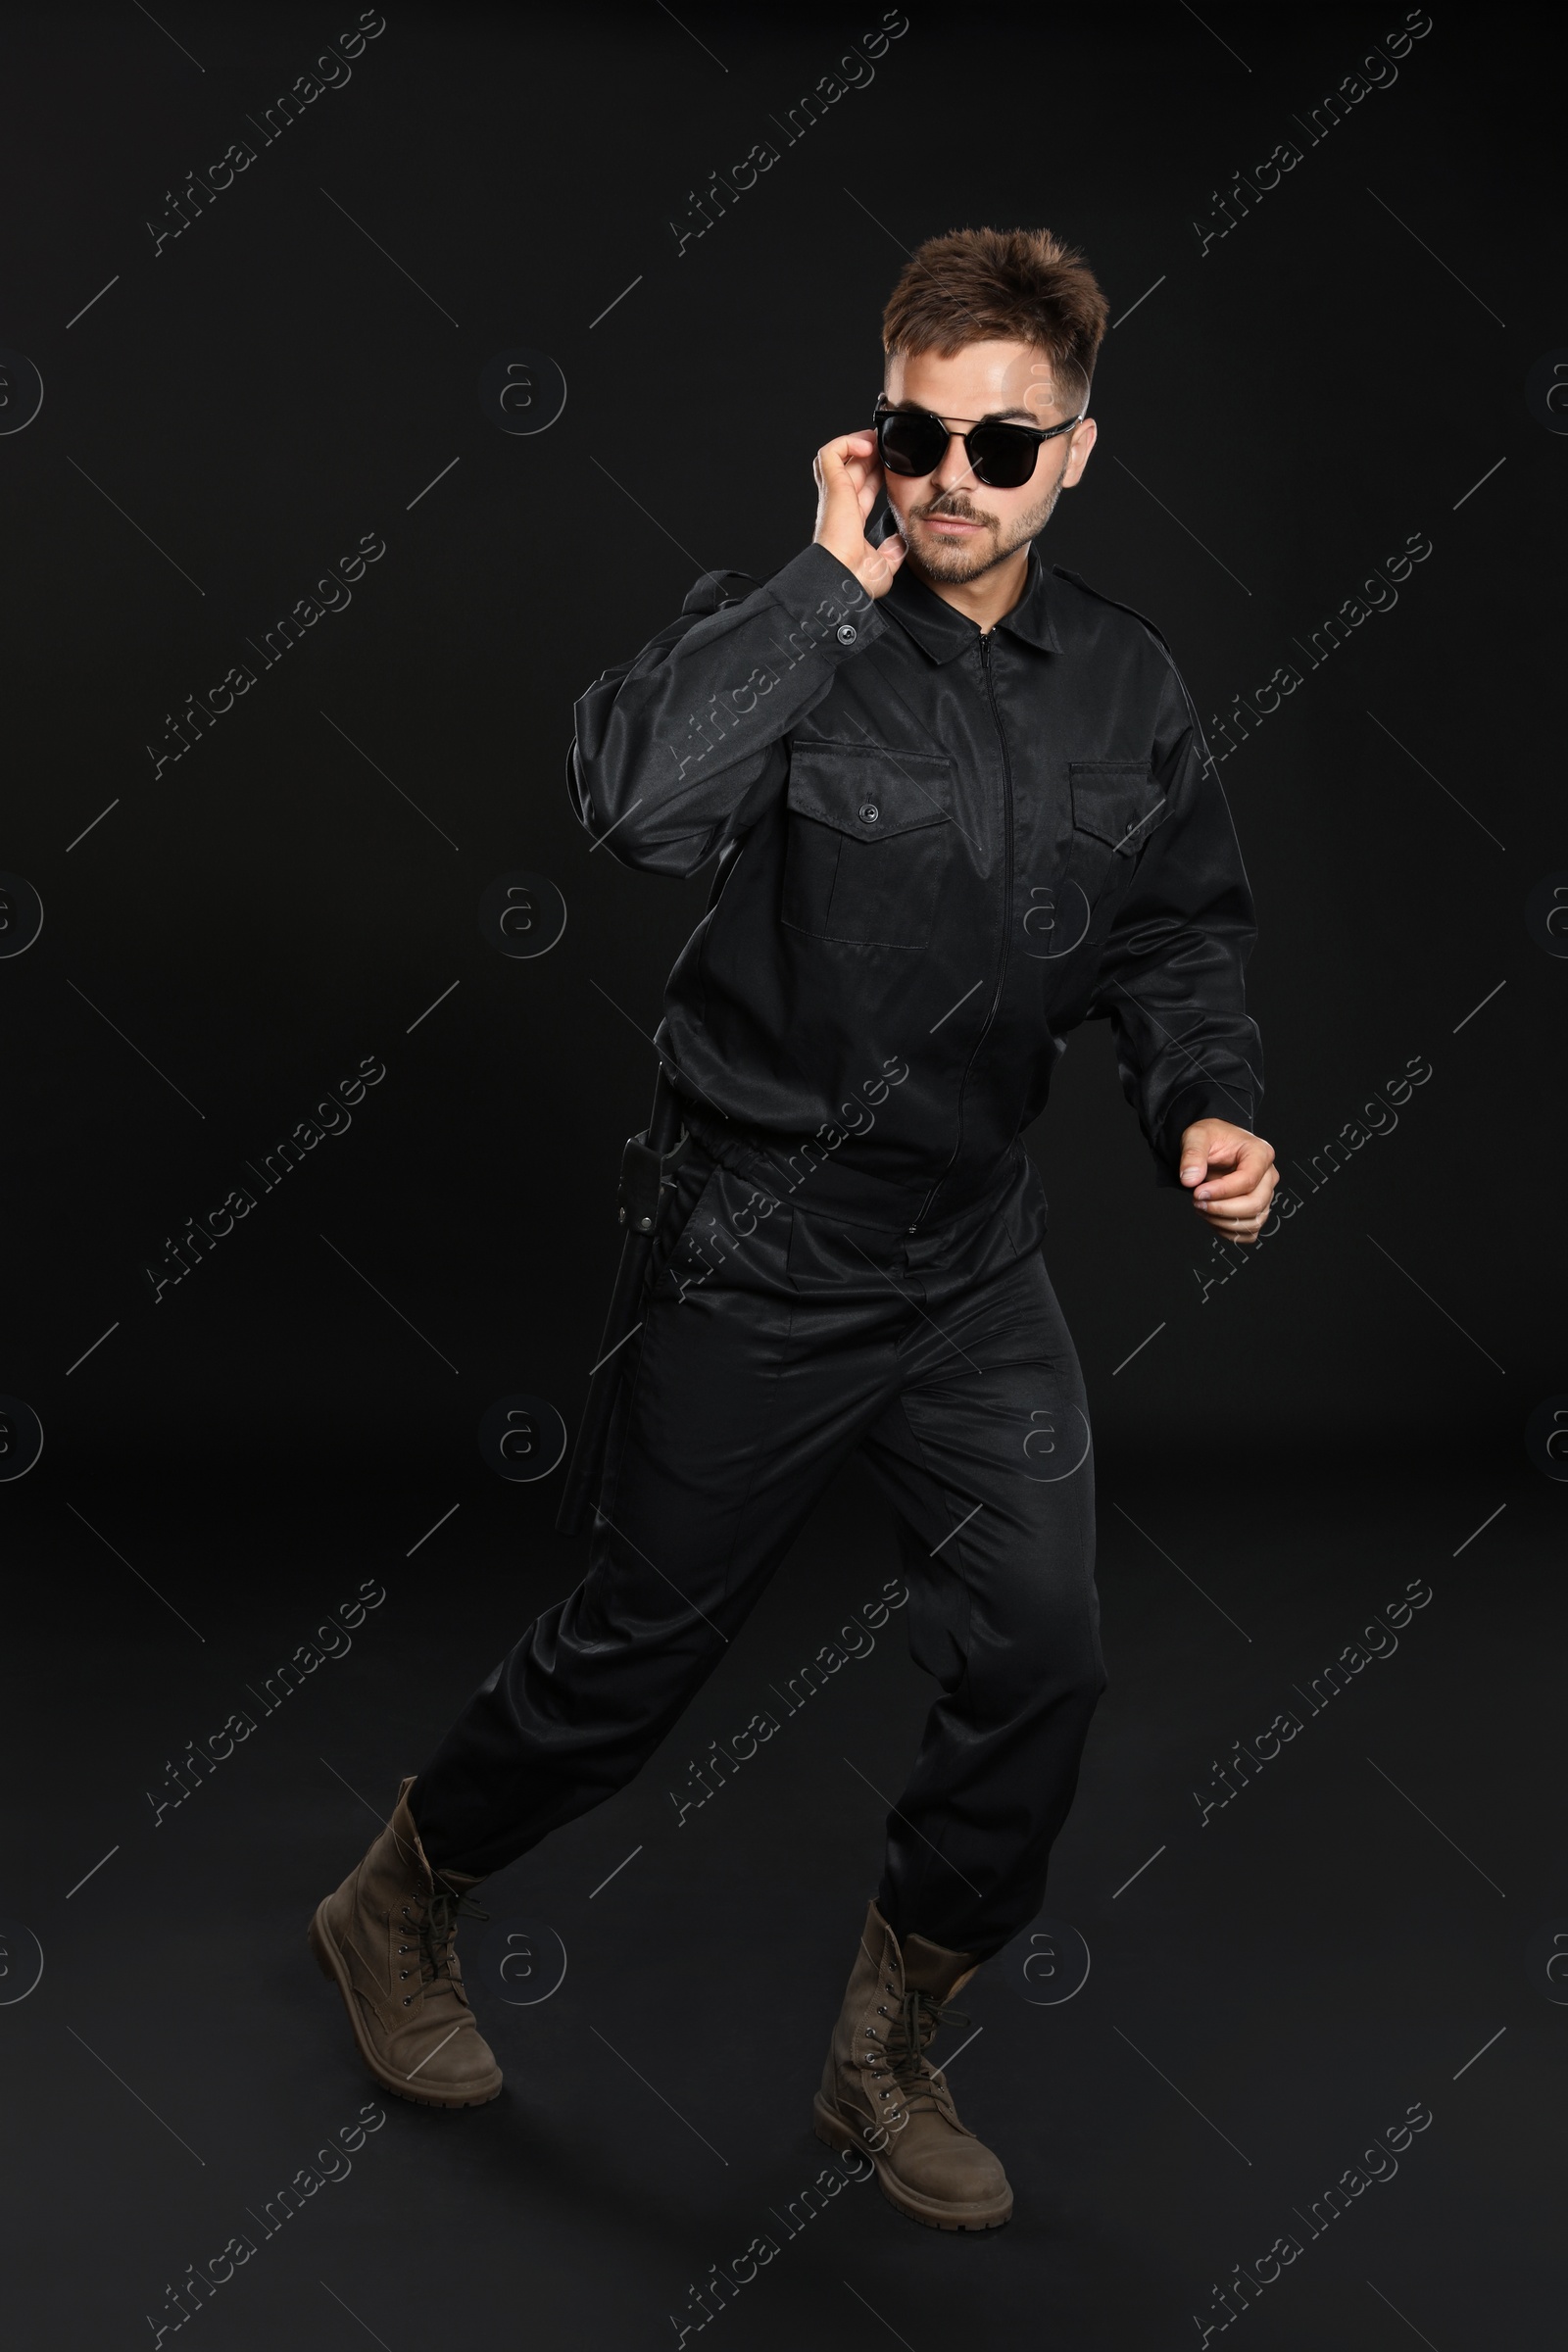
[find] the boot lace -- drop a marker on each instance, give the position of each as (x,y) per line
(919,2016)
(437,1926)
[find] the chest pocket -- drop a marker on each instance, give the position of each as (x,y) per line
(1116,803)
(869,843)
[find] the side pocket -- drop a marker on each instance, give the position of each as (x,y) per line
(732,1238)
(677,1255)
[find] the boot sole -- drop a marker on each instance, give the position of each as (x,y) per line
(834,2133)
(332,1965)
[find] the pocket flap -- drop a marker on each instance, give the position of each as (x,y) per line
(1117,801)
(869,790)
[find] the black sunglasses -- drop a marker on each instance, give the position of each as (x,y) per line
(911,441)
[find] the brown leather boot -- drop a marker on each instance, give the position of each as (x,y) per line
(881,2094)
(388,1939)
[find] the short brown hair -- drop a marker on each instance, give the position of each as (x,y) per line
(977,285)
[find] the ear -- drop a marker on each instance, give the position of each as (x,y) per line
(1083,438)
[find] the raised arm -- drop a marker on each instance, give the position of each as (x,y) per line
(678,752)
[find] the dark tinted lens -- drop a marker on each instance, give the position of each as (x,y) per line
(1002,455)
(911,443)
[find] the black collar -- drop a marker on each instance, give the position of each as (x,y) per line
(940,630)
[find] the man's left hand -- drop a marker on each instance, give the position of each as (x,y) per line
(1231,1177)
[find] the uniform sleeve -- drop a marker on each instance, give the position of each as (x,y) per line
(677,752)
(1171,979)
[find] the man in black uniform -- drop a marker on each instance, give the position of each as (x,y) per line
(960,802)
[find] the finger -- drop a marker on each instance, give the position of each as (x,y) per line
(1197,1157)
(1218,1157)
(1237,1229)
(849,478)
(1257,1204)
(885,562)
(1235,1220)
(1245,1177)
(1227,1187)
(835,455)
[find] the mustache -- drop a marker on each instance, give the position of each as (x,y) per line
(949,506)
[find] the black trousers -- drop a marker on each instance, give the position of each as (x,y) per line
(775,1343)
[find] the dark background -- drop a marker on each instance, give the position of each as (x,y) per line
(1336,1418)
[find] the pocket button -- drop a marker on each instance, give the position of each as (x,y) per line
(847,633)
(871,814)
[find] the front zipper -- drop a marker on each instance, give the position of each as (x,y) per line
(1006,920)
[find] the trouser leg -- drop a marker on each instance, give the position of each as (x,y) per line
(985,1456)
(723,1442)
(949,1357)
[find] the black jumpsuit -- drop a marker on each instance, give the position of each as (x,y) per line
(939,853)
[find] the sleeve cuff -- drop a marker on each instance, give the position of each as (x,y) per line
(832,613)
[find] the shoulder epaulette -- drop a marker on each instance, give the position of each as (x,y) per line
(1158,635)
(1114,600)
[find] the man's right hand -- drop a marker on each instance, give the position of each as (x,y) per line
(849,480)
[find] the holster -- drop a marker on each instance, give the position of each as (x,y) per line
(648,1170)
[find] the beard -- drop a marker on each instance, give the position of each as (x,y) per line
(954,563)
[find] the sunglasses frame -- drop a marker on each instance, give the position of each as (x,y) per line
(1029,433)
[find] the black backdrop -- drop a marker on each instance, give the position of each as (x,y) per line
(1360,362)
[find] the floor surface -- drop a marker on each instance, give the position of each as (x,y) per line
(1339,1974)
